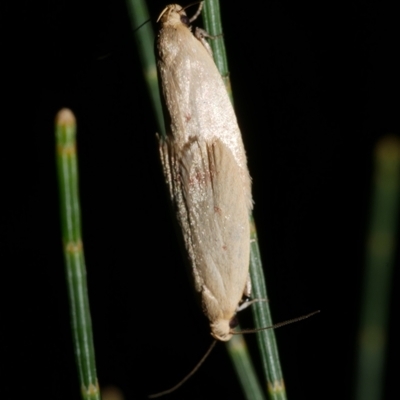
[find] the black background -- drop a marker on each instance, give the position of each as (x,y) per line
(314,87)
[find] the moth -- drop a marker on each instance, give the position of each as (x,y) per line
(205,167)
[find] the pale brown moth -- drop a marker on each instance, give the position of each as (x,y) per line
(205,167)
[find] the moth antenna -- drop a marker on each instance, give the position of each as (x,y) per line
(278,325)
(192,372)
(143,23)
(197,13)
(162,13)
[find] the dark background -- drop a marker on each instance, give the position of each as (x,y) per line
(314,90)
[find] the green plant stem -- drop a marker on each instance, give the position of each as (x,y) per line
(240,357)
(67,168)
(380,257)
(213,26)
(262,316)
(144,38)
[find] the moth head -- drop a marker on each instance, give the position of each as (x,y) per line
(173,15)
(222,329)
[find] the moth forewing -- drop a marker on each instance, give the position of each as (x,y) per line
(206,170)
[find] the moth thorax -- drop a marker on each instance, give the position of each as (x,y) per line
(221,330)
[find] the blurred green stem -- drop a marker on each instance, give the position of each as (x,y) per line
(380,255)
(144,37)
(240,357)
(75,269)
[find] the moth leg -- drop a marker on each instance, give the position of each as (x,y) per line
(248,303)
(247,288)
(195,16)
(247,293)
(201,35)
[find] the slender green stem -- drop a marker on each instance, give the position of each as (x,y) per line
(262,316)
(240,357)
(380,256)
(144,38)
(67,168)
(213,26)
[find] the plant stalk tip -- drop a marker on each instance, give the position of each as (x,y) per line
(65,117)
